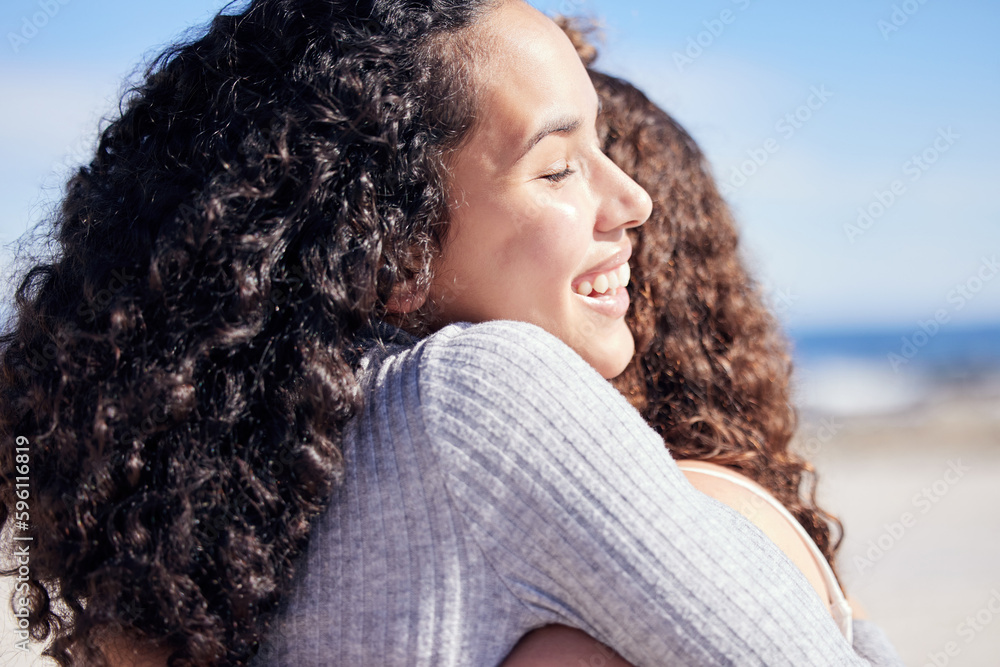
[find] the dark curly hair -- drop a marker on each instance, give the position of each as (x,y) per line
(180,371)
(711,371)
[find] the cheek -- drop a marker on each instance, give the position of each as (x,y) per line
(547,239)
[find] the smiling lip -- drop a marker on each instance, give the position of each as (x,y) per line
(613,262)
(614,302)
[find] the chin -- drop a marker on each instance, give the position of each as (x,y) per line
(614,359)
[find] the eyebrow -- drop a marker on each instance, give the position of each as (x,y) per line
(556,126)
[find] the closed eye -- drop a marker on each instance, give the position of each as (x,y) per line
(560,176)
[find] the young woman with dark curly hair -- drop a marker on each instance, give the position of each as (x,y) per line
(238,445)
(711,371)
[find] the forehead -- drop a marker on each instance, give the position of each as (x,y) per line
(529,75)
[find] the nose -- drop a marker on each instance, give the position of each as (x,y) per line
(626,204)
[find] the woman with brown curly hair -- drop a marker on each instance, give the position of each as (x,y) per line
(258,428)
(711,371)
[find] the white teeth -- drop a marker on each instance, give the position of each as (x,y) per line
(601,284)
(604,282)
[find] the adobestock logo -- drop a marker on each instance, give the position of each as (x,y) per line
(779,300)
(32,25)
(914,168)
(960,295)
(901,14)
(714,27)
(924,501)
(825,432)
(570,7)
(787,126)
(970,628)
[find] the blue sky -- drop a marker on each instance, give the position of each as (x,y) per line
(808,112)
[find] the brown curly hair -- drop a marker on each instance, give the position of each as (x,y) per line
(179,373)
(711,371)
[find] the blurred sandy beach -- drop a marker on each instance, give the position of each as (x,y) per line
(919,495)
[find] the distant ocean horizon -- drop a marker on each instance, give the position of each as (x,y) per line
(932,345)
(887,370)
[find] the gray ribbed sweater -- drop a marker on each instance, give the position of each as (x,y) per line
(495,483)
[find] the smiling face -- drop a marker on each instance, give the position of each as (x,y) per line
(538,212)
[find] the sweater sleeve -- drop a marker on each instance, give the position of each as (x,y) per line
(586,519)
(873,645)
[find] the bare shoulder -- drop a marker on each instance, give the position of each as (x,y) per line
(751,500)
